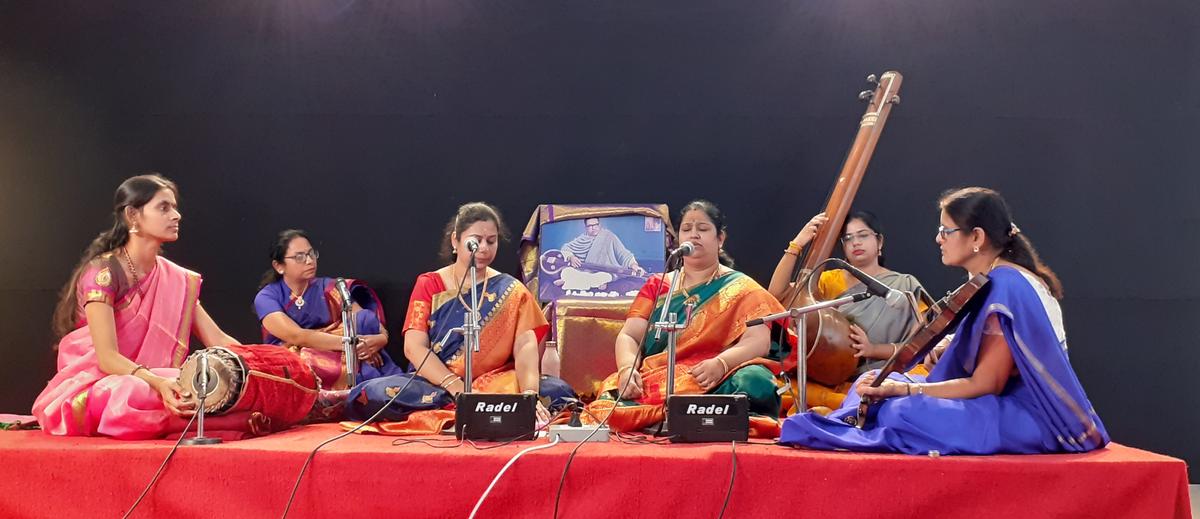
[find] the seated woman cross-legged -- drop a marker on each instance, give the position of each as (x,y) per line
(508,357)
(877,329)
(125,319)
(304,312)
(1003,385)
(716,353)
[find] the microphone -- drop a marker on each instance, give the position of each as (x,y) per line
(854,298)
(472,244)
(894,298)
(205,378)
(341,288)
(685,249)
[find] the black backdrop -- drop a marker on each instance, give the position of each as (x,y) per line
(367,123)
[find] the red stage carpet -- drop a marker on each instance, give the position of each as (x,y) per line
(368,476)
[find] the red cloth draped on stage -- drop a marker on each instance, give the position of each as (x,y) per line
(362,474)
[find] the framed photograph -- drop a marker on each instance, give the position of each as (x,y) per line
(599,257)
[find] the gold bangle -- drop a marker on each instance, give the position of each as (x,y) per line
(139,367)
(793,248)
(723,363)
(446,385)
(442,383)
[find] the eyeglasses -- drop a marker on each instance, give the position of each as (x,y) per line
(302,257)
(860,236)
(945,232)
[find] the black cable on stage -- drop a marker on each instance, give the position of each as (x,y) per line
(400,442)
(372,418)
(357,428)
(732,475)
(496,479)
(511,440)
(634,439)
(154,479)
(563,479)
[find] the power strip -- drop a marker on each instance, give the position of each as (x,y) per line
(568,434)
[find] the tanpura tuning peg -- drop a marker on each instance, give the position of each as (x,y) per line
(896,99)
(872,79)
(866,95)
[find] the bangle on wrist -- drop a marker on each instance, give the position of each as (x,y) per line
(792,248)
(623,368)
(442,383)
(139,368)
(723,363)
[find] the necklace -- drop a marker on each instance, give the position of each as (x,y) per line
(133,271)
(482,294)
(706,283)
(298,299)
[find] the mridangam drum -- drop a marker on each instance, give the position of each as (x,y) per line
(270,380)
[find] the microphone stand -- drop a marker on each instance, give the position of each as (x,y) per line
(470,328)
(668,322)
(802,339)
(200,439)
(349,339)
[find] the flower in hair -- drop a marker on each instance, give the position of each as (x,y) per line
(1013,230)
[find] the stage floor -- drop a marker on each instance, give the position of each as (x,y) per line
(98,477)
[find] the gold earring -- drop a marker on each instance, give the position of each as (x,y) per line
(134,230)
(976,249)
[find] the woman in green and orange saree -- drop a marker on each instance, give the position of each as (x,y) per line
(715,354)
(508,358)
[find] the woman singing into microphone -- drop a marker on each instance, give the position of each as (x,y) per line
(508,358)
(716,354)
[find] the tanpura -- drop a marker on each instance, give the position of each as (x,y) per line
(831,360)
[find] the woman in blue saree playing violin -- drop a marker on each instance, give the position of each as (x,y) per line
(1004,384)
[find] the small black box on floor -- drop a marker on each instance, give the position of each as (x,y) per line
(494,416)
(708,418)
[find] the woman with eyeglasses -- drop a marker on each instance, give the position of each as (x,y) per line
(1004,384)
(508,358)
(304,312)
(876,329)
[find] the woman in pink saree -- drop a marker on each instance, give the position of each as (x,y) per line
(125,319)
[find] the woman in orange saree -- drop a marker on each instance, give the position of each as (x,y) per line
(715,354)
(508,358)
